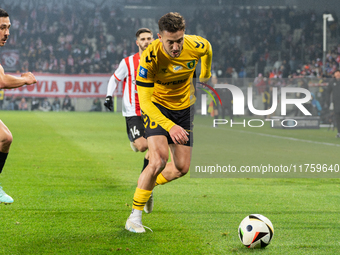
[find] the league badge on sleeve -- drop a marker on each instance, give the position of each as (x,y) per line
(143,72)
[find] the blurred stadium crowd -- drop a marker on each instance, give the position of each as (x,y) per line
(274,42)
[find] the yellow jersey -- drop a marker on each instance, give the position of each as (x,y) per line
(171,78)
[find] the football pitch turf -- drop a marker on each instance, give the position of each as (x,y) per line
(72,176)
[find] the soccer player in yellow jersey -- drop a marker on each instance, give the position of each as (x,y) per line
(165,90)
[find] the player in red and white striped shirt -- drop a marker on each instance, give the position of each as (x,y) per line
(126,73)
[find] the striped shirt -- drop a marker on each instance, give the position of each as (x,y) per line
(126,73)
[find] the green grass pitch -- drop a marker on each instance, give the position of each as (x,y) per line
(72,176)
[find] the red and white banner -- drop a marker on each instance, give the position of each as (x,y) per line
(55,85)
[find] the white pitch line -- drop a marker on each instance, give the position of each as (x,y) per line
(289,138)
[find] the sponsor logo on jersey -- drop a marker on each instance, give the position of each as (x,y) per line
(177,68)
(171,82)
(191,64)
(143,72)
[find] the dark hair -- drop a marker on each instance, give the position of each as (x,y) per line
(171,22)
(142,30)
(3,13)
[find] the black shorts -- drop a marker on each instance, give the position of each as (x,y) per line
(134,127)
(183,118)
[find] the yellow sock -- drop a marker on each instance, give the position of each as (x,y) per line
(161,180)
(140,198)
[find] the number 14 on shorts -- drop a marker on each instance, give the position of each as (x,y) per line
(134,132)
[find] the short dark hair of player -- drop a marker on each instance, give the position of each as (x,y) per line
(3,13)
(142,30)
(171,22)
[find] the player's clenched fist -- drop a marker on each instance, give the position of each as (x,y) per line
(109,103)
(29,78)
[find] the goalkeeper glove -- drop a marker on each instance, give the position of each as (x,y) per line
(109,103)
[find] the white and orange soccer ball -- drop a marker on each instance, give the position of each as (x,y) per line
(256,231)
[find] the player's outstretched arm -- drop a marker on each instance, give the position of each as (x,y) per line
(10,82)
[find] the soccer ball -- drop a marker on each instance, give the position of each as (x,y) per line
(255,231)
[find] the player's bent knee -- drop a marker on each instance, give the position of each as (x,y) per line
(142,148)
(6,139)
(141,145)
(157,164)
(182,169)
(182,172)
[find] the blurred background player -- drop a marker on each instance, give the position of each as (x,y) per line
(126,72)
(8,82)
(166,95)
(334,90)
(226,98)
